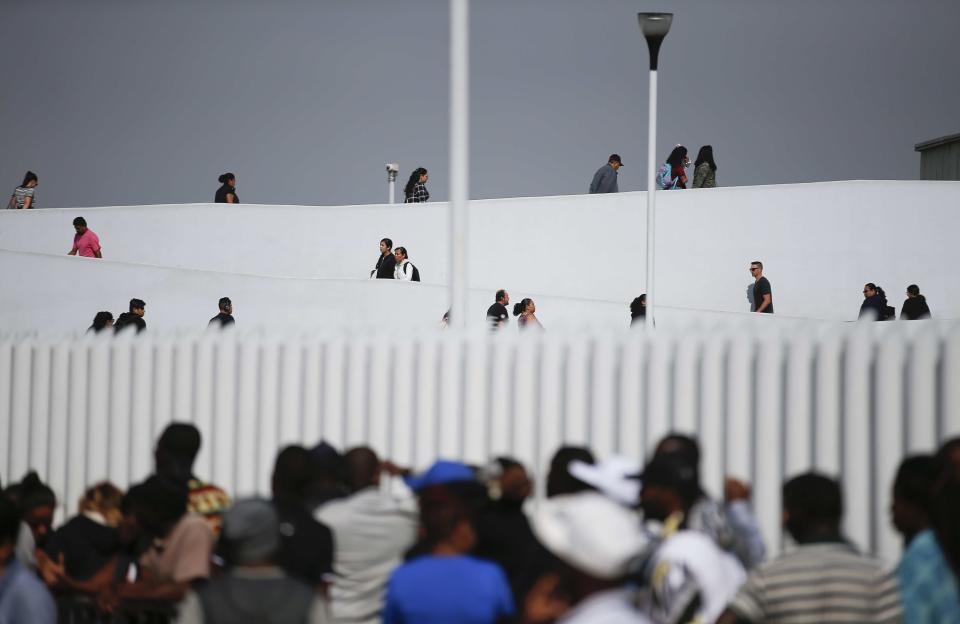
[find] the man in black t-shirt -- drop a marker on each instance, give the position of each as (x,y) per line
(133,317)
(497,314)
(226,314)
(762,293)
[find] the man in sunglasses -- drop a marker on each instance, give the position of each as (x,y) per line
(762,293)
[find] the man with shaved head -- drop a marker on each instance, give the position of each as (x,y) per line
(372,529)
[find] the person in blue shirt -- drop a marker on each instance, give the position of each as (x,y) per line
(445,584)
(926,511)
(23,598)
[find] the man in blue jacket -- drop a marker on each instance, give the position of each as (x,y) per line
(605,179)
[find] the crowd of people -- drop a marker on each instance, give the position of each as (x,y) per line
(352,538)
(395,263)
(670,176)
(133,317)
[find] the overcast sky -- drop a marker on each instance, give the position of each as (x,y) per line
(143,101)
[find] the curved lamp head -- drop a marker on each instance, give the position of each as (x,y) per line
(655,27)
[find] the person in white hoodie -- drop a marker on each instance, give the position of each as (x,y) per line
(404,270)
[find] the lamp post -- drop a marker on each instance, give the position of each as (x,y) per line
(459,156)
(655,27)
(392,169)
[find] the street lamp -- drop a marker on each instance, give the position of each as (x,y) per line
(655,27)
(392,169)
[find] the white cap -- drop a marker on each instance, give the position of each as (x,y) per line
(591,533)
(616,477)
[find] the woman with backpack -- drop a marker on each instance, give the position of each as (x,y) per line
(404,270)
(22,197)
(415,192)
(705,169)
(672,174)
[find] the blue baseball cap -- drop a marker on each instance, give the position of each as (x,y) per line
(442,471)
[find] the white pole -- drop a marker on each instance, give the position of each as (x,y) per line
(391,188)
(459,155)
(651,195)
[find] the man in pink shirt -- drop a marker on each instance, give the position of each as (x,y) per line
(86,243)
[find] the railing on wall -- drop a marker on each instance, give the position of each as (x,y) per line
(849,401)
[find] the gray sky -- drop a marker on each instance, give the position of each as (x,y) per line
(140,101)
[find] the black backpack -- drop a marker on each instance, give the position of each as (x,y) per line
(416,272)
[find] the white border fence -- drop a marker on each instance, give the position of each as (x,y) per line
(850,401)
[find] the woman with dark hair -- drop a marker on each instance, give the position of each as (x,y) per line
(705,169)
(22,197)
(671,174)
(227,193)
(526,310)
(415,192)
(915,307)
(101,321)
(638,310)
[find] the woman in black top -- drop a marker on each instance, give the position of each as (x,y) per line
(415,191)
(227,194)
(915,307)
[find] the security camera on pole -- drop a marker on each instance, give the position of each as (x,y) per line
(655,27)
(392,169)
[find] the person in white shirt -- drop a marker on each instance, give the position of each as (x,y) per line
(372,529)
(404,270)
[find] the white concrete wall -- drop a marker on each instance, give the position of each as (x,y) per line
(820,243)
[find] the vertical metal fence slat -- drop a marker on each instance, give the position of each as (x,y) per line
(267,414)
(98,400)
(857,469)
(40,409)
(632,399)
(247,425)
(922,393)
(118,418)
(379,403)
(476,402)
(950,416)
(141,409)
(77,410)
(799,407)
(357,388)
(524,403)
(58,467)
(203,402)
(400,444)
(449,409)
(739,435)
(290,384)
(20,410)
(686,390)
(312,384)
(828,405)
(659,398)
(223,435)
(768,435)
(602,400)
(425,409)
(712,430)
(575,403)
(6,407)
(888,442)
(551,389)
(334,399)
